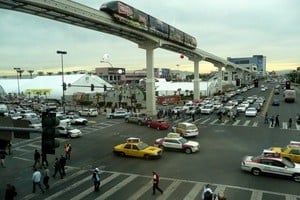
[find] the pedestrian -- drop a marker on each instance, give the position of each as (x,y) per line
(46,177)
(220,196)
(37,158)
(10,192)
(266,118)
(57,168)
(207,193)
(3,154)
(272,121)
(9,148)
(36,180)
(68,150)
(155,183)
(277,121)
(193,116)
(96,179)
(62,162)
(290,123)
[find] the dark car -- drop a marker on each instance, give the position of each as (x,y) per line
(276,102)
(257,106)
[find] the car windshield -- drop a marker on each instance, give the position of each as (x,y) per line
(183,140)
(142,146)
(191,127)
(288,163)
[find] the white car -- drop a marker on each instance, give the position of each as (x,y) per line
(63,120)
(251,112)
(207,109)
(89,112)
(173,141)
(242,107)
(68,131)
(76,120)
(271,165)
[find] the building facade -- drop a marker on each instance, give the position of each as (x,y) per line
(256,61)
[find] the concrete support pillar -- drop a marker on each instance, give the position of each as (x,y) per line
(220,78)
(229,71)
(150,83)
(196,80)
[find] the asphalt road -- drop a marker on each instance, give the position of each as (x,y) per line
(222,147)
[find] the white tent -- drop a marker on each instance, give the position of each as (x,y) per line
(51,85)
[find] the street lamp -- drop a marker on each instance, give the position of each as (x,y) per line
(62,78)
(19,73)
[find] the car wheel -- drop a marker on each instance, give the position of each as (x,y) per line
(122,154)
(85,123)
(146,156)
(255,171)
(162,147)
(296,177)
(188,151)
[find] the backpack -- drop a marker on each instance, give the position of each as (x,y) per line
(208,195)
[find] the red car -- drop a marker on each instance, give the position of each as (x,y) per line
(158,124)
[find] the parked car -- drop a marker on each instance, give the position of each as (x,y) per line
(186,129)
(207,109)
(68,131)
(89,112)
(174,141)
(134,147)
(63,120)
(158,124)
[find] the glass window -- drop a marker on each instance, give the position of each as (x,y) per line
(127,146)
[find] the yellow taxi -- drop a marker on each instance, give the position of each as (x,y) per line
(134,147)
(290,152)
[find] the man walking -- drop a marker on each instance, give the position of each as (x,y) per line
(155,183)
(57,168)
(2,157)
(277,121)
(46,177)
(96,179)
(37,158)
(68,150)
(62,162)
(36,180)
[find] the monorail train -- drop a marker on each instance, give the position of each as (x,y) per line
(133,17)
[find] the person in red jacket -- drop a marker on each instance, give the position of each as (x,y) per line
(155,183)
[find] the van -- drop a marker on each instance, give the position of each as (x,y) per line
(186,129)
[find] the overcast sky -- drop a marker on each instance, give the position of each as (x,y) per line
(231,28)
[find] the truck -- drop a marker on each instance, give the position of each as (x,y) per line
(289,95)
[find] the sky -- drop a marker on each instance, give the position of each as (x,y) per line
(231,28)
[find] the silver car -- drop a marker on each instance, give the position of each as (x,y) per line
(271,165)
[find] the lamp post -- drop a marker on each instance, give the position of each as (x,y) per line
(19,72)
(62,78)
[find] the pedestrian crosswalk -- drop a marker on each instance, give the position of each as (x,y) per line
(243,122)
(78,185)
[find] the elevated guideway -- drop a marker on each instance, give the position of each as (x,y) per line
(77,14)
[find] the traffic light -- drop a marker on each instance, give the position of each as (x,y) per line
(105,87)
(92,87)
(64,86)
(288,85)
(49,123)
